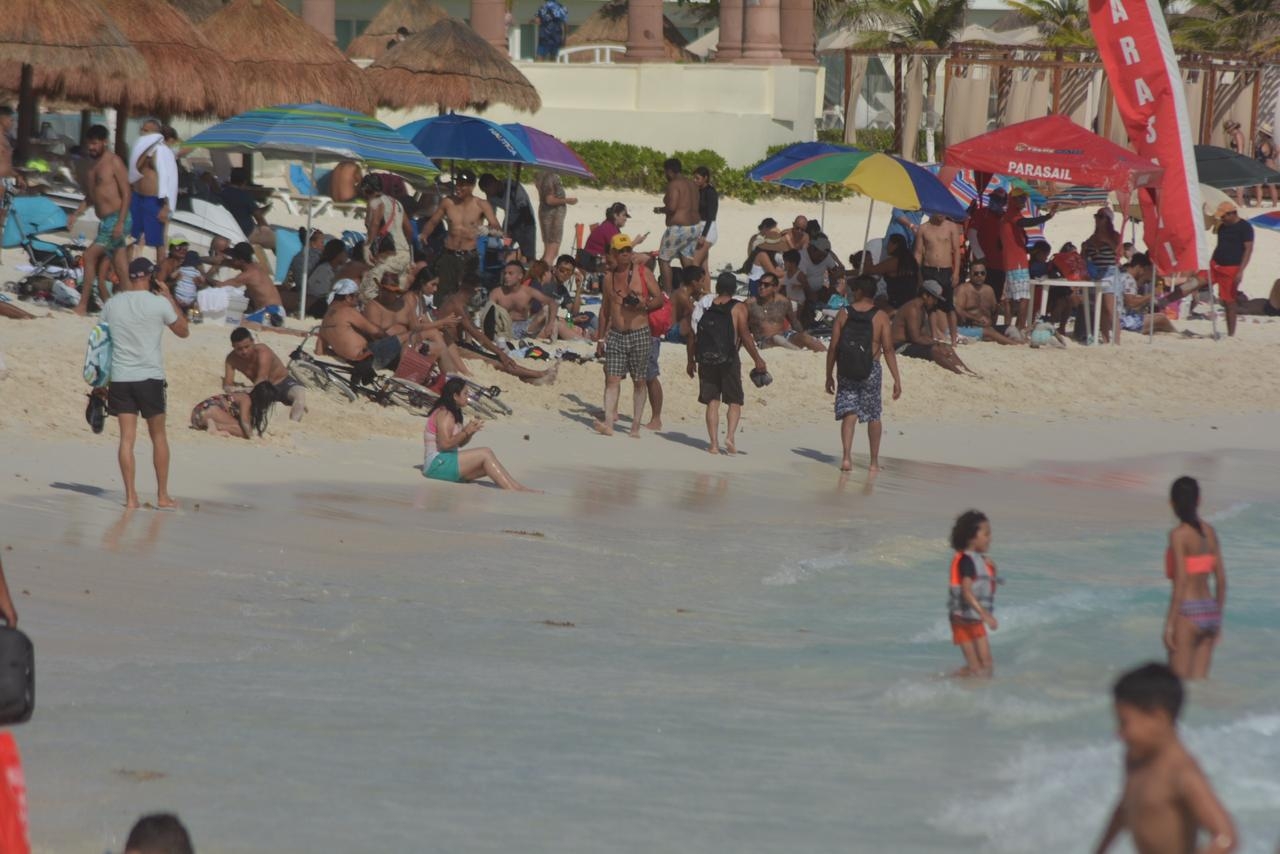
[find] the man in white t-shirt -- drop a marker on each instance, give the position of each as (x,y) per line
(821,269)
(136,318)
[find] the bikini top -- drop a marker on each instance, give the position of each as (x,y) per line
(1201,564)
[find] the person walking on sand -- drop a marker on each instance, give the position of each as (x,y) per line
(109,192)
(553,210)
(971,604)
(720,328)
(1193,624)
(628,295)
(680,207)
(859,337)
(1230,258)
(137,319)
(1166,802)
(446,435)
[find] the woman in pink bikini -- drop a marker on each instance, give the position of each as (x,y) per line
(1194,624)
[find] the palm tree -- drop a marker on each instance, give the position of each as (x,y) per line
(912,24)
(1233,26)
(1064,23)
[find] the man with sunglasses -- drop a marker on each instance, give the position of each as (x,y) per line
(976,306)
(1230,258)
(773,322)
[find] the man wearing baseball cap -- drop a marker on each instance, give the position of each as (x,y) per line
(1230,257)
(629,293)
(468,216)
(914,334)
(137,319)
(349,335)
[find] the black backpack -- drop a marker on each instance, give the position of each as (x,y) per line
(17,677)
(715,341)
(853,352)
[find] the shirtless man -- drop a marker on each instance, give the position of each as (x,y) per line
(10,180)
(467,216)
(393,314)
(1167,803)
(772,320)
(976,307)
(109,193)
(148,208)
(260,364)
(797,236)
(521,301)
(694,282)
(349,335)
(628,295)
(264,296)
(456,306)
(913,334)
(680,206)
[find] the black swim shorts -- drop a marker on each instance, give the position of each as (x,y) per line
(142,397)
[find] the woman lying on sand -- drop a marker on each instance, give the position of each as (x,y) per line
(237,414)
(445,435)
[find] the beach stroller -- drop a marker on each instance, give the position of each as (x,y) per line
(53,271)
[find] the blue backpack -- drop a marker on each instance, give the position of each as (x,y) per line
(97,356)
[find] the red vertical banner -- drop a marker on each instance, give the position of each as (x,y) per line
(13,799)
(1134,46)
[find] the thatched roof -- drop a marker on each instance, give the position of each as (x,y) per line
(450,66)
(609,25)
(185,74)
(414,15)
(277,58)
(70,44)
(198,10)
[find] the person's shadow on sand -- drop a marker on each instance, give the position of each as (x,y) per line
(814,454)
(82,488)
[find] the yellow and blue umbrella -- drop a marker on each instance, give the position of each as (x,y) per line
(880,177)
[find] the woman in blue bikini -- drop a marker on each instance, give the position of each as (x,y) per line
(445,436)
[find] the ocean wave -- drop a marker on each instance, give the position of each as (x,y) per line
(991,702)
(805,569)
(1229,512)
(1065,608)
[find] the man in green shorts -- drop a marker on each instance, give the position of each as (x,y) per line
(109,192)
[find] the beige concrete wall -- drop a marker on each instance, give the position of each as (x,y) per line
(736,110)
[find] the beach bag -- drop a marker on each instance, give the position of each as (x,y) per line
(853,351)
(97,356)
(660,318)
(17,677)
(715,342)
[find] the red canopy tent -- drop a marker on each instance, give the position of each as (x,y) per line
(1055,150)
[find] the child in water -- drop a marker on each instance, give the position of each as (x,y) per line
(973,593)
(1166,801)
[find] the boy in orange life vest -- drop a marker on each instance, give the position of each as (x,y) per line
(973,591)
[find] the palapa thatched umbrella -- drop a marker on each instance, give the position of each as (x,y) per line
(609,25)
(277,58)
(60,48)
(185,74)
(198,10)
(414,15)
(450,66)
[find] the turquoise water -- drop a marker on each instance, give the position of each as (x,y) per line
(752,662)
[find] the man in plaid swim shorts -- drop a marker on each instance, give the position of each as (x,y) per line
(630,292)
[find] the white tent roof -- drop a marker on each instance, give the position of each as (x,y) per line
(704,44)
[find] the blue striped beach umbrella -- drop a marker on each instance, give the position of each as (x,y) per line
(1081,197)
(315,131)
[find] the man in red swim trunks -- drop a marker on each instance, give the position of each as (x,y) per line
(1230,257)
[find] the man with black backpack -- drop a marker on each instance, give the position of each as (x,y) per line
(860,335)
(719,329)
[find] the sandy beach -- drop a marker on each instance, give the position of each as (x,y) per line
(667,651)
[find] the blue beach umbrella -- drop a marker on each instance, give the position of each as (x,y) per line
(315,131)
(455,137)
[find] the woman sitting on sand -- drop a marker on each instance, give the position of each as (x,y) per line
(1194,555)
(237,414)
(445,435)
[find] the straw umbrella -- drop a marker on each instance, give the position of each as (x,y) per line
(414,15)
(60,47)
(277,58)
(451,66)
(609,25)
(198,10)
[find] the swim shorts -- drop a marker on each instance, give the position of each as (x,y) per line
(386,352)
(145,213)
(1224,276)
(551,221)
(970,331)
(627,353)
(105,239)
(274,312)
(285,387)
(1270,310)
(966,631)
(520,328)
(653,371)
(915,351)
(721,382)
(141,397)
(679,241)
(860,397)
(1017,284)
(443,466)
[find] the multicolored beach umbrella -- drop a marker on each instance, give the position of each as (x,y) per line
(549,152)
(1270,219)
(963,187)
(880,177)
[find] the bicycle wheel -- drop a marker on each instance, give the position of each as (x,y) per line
(316,377)
(491,400)
(482,407)
(417,399)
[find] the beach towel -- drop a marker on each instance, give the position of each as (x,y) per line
(97,356)
(213,300)
(166,166)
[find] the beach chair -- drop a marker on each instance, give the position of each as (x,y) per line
(304,193)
